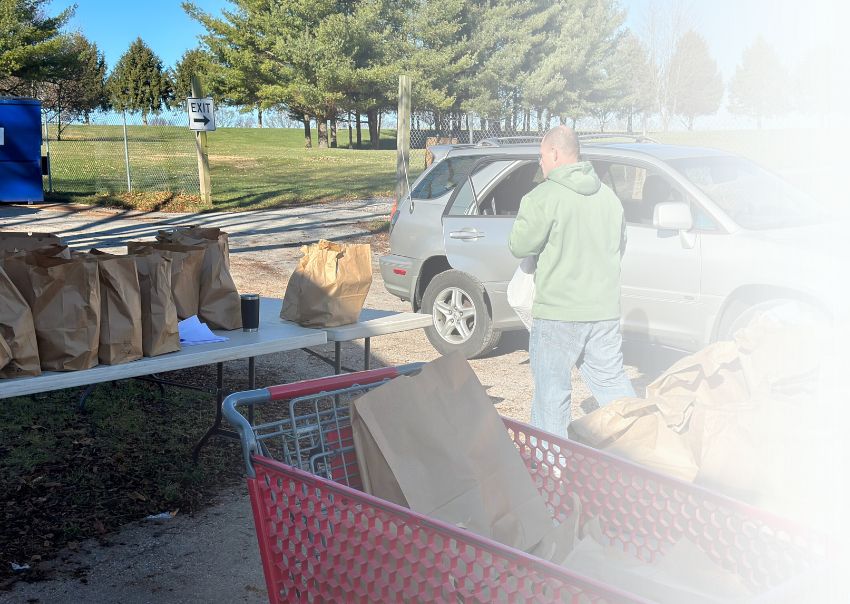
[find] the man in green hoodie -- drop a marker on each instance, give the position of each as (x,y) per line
(574,225)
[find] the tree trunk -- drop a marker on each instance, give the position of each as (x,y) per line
(359,132)
(322,128)
(526,126)
(380,124)
(372,119)
(144,118)
(333,134)
(574,124)
(690,122)
(350,139)
(539,121)
(308,138)
(259,117)
(629,124)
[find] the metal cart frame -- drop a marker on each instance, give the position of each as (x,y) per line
(323,540)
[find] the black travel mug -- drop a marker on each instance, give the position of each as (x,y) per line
(250,311)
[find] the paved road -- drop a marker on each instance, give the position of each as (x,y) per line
(259,233)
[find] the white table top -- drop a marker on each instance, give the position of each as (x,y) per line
(274,335)
(377,323)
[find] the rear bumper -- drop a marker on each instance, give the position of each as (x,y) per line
(399,274)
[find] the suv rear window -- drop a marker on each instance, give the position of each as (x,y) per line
(444,177)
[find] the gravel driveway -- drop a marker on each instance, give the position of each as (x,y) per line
(212,557)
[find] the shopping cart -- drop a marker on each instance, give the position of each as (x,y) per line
(323,540)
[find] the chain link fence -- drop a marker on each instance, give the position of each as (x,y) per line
(116,153)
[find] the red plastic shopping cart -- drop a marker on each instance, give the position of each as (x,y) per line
(323,540)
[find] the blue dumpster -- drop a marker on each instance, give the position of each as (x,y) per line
(20,150)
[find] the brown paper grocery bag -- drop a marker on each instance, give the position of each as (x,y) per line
(435,443)
(713,373)
(646,431)
(186,264)
(329,285)
(64,296)
(159,315)
(17,332)
(21,241)
(120,309)
(219,305)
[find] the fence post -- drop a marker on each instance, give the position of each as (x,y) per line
(126,152)
(49,161)
(203,150)
(402,161)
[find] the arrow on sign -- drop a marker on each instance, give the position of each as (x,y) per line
(204,121)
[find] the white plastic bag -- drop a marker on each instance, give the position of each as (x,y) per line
(521,290)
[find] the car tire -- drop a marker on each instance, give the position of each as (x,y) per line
(461,318)
(741,312)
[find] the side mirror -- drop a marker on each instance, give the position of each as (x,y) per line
(672,216)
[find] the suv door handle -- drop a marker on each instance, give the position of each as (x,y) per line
(466,234)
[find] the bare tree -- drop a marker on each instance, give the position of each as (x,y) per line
(663,25)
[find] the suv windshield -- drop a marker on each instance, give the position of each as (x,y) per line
(753,197)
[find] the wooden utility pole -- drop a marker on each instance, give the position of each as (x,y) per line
(203,151)
(402,161)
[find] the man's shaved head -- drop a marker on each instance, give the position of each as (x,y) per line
(559,147)
(563,139)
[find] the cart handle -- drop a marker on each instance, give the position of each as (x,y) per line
(295,390)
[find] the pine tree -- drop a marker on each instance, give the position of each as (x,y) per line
(75,84)
(138,82)
(575,77)
(760,87)
(236,50)
(194,62)
(440,54)
(695,86)
(31,42)
(633,62)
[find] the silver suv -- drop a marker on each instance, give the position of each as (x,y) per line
(712,240)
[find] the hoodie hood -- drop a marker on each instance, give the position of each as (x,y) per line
(580,177)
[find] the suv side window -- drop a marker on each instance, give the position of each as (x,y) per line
(504,199)
(640,189)
(463,202)
(443,177)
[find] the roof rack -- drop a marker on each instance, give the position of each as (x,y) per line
(501,141)
(638,138)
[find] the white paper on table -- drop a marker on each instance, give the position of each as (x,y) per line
(192,331)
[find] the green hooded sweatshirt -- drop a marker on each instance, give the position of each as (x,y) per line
(574,225)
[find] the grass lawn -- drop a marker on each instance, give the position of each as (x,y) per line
(264,168)
(68,475)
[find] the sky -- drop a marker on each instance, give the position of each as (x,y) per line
(728,25)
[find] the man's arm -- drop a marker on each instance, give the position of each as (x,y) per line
(531,228)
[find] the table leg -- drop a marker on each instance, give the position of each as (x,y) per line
(85,395)
(337,358)
(252,383)
(216,427)
(367,353)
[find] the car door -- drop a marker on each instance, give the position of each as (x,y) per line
(661,270)
(476,238)
(477,225)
